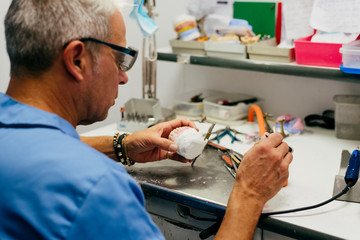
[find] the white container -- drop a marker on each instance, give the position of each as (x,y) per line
(225,50)
(347,116)
(187,47)
(182,104)
(267,50)
(213,109)
(351,54)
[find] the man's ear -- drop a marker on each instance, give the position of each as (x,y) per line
(75,59)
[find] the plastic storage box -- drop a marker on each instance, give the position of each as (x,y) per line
(239,110)
(347,116)
(140,114)
(182,104)
(189,47)
(225,50)
(267,51)
(317,54)
(350,70)
(351,57)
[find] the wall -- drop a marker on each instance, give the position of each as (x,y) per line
(279,93)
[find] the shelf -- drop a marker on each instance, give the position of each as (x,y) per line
(260,66)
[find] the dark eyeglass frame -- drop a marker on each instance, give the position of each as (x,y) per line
(130,51)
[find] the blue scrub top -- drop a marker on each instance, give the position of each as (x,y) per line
(53,186)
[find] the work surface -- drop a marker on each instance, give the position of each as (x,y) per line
(317,155)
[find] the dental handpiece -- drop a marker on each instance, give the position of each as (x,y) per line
(352,172)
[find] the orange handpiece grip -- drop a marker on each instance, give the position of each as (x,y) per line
(217,146)
(227,160)
(287,181)
(261,121)
(260,117)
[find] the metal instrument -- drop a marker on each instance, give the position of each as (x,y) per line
(149,58)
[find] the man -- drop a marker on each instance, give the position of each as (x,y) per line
(67,59)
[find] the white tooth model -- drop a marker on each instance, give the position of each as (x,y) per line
(190,142)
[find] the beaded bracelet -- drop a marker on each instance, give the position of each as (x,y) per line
(119,143)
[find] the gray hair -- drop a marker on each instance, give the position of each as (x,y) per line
(37,30)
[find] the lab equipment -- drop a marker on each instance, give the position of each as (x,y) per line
(260,117)
(352,172)
(231,158)
(237,157)
(292,125)
(231,171)
(206,138)
(348,174)
(285,124)
(140,114)
(227,161)
(226,131)
(233,134)
(149,57)
(230,164)
(351,176)
(148,28)
(267,117)
(190,142)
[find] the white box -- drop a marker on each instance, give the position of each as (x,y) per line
(188,47)
(228,113)
(351,54)
(266,50)
(225,50)
(182,104)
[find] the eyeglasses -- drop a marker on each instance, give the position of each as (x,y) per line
(125,57)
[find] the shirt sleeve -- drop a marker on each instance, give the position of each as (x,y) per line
(114,209)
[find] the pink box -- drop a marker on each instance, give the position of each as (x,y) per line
(317,54)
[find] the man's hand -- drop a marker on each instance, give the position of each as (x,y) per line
(265,168)
(152,144)
(261,174)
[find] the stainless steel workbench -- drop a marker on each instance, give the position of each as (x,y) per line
(173,189)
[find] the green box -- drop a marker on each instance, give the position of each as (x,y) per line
(260,15)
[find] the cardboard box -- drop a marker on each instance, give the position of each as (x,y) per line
(225,50)
(267,51)
(189,47)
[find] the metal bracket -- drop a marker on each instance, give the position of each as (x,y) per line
(354,193)
(183,58)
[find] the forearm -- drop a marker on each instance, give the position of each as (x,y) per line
(103,144)
(241,217)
